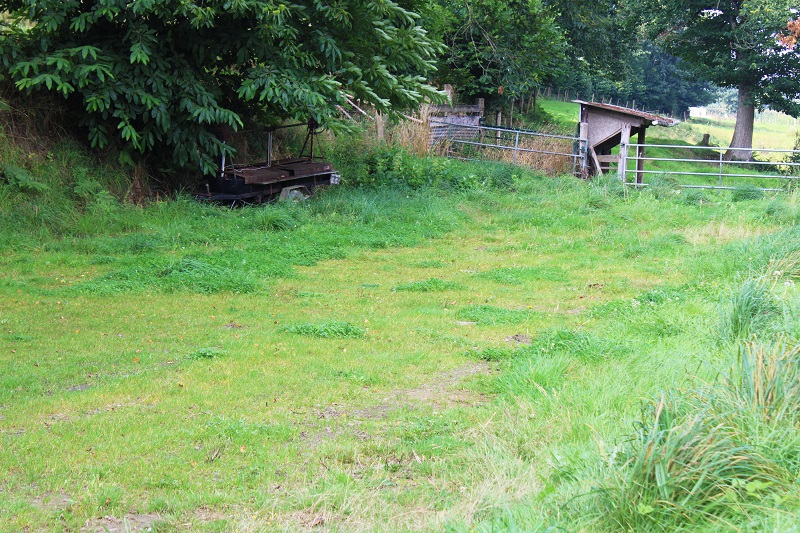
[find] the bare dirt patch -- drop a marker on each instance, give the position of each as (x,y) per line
(129,522)
(52,501)
(443,392)
(519,338)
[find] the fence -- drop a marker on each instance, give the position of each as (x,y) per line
(722,174)
(551,153)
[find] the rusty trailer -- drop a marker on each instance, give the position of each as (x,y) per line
(264,181)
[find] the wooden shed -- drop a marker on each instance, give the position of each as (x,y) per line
(607,126)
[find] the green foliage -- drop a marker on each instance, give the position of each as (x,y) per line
(165,78)
(21,180)
(495,47)
(327,330)
(384,165)
(731,43)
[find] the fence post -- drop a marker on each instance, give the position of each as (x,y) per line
(516,144)
(719,183)
(583,148)
(625,138)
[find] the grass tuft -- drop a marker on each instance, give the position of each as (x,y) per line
(746,192)
(327,330)
(429,285)
(487,315)
(747,309)
(713,454)
(520,275)
(206,353)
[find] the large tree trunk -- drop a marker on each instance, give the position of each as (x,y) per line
(743,132)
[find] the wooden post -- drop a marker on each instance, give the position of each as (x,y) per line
(583,148)
(379,124)
(499,124)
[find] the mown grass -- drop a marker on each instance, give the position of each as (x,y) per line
(262,369)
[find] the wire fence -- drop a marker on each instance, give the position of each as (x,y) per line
(551,153)
(763,168)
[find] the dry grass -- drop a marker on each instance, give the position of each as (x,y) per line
(719,232)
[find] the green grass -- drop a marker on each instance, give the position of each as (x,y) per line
(468,357)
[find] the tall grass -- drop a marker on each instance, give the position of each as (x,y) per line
(713,454)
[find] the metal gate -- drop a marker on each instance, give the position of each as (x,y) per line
(767,169)
(550,153)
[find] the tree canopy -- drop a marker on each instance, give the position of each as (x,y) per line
(163,76)
(733,43)
(496,46)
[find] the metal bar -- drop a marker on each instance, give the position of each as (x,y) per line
(724,149)
(502,147)
(713,187)
(715,161)
(710,174)
(507,130)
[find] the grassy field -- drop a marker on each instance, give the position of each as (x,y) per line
(435,346)
(491,351)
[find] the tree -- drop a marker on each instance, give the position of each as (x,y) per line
(733,43)
(497,47)
(162,76)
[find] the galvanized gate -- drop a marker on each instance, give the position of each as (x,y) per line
(766,169)
(548,152)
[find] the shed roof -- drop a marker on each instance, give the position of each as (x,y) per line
(654,119)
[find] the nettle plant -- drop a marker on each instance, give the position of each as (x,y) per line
(166,76)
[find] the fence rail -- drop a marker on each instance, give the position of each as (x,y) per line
(545,151)
(726,174)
